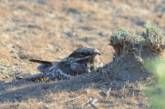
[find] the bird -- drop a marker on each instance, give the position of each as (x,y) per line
(78,62)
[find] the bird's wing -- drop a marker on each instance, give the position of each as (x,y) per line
(41,61)
(84,59)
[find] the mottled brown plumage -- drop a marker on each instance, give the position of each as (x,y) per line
(80,61)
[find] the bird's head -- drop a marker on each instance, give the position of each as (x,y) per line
(84,52)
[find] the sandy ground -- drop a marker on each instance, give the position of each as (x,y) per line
(50,30)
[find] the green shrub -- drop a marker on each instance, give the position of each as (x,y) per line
(125,42)
(153,37)
(156,93)
(119,36)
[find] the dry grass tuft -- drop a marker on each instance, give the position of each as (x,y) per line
(126,42)
(153,37)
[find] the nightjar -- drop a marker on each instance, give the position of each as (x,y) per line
(81,60)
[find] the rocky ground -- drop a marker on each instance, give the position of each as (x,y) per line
(50,30)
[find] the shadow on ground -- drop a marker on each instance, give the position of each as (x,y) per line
(115,75)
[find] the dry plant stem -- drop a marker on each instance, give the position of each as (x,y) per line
(73,99)
(91,102)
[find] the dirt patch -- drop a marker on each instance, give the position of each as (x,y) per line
(53,29)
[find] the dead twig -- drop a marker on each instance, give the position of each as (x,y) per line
(92,102)
(72,99)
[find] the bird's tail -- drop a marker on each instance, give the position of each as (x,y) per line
(40,61)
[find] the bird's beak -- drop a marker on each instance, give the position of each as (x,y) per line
(97,52)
